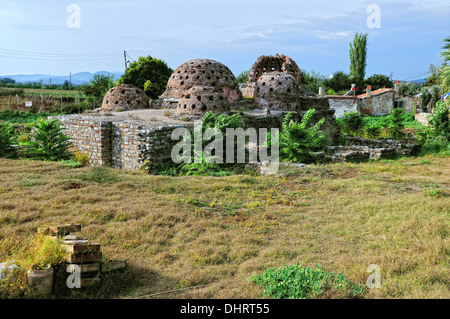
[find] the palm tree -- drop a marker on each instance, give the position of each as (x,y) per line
(445,74)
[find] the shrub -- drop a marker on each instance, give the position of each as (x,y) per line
(352,123)
(299,141)
(396,125)
(48,142)
(439,122)
(6,141)
(82,158)
(373,131)
(299,282)
(207,167)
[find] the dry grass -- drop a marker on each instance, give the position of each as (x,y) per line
(189,231)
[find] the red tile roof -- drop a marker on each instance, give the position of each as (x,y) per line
(376,92)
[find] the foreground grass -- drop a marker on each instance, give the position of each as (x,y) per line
(219,232)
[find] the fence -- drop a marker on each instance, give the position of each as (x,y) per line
(39,103)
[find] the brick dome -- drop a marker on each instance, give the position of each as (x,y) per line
(277,91)
(125,97)
(205,79)
(199,100)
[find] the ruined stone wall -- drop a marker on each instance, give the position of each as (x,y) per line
(125,145)
(91,137)
(343,105)
(402,146)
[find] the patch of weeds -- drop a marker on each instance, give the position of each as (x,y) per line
(99,175)
(28,181)
(434,192)
(72,163)
(299,282)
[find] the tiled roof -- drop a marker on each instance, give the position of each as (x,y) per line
(377,92)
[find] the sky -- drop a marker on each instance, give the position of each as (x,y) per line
(58,37)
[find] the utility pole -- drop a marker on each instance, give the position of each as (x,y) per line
(125,59)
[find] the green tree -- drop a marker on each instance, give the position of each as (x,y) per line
(358,58)
(48,142)
(396,125)
(445,72)
(426,98)
(378,81)
(97,88)
(312,80)
(339,82)
(65,85)
(439,122)
(243,77)
(409,88)
(148,69)
(434,76)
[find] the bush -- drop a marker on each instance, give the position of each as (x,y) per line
(396,125)
(352,123)
(299,141)
(439,122)
(299,282)
(48,142)
(373,131)
(207,166)
(6,141)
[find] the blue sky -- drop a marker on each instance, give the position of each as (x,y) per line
(35,37)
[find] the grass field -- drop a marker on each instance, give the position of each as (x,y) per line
(219,232)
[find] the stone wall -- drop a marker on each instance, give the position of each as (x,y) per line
(422,118)
(408,146)
(92,137)
(378,105)
(357,149)
(343,104)
(408,102)
(125,145)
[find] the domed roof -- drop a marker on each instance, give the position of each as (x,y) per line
(199,100)
(277,90)
(273,63)
(211,75)
(125,97)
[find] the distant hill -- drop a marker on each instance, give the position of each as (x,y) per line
(77,78)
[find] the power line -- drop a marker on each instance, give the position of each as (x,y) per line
(26,55)
(85,55)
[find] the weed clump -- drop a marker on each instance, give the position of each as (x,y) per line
(299,282)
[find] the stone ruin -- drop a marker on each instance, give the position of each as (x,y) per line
(274,83)
(276,63)
(199,86)
(123,98)
(137,140)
